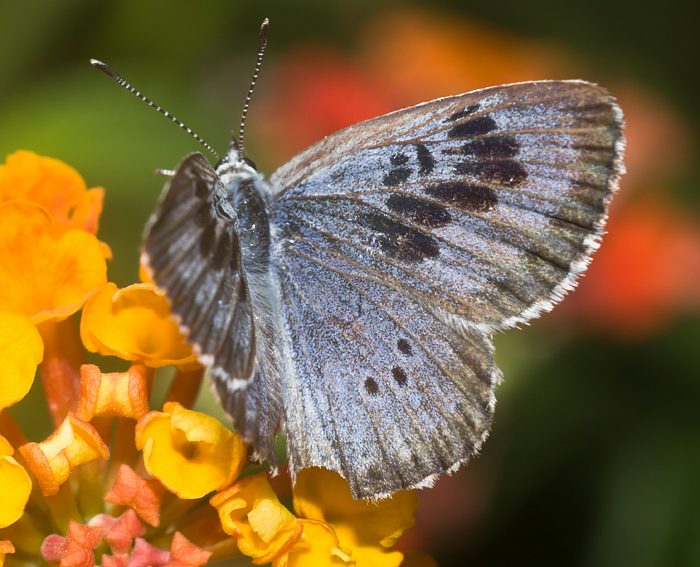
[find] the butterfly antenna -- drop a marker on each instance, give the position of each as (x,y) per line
(122,82)
(264,27)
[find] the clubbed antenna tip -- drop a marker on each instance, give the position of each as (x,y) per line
(262,45)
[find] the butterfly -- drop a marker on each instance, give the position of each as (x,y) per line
(352,296)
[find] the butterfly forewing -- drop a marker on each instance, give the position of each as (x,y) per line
(404,242)
(486,204)
(192,251)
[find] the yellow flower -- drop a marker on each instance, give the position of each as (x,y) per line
(134,323)
(318,546)
(366,530)
(16,486)
(55,186)
(191,453)
(44,276)
(21,350)
(94,499)
(90,493)
(251,512)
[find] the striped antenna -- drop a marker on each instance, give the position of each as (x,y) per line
(264,27)
(122,82)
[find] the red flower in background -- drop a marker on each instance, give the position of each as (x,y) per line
(647,267)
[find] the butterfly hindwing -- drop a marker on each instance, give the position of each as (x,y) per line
(435,225)
(383,390)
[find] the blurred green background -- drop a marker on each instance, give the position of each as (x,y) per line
(594,459)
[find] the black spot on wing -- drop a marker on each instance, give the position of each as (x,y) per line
(400,241)
(506,172)
(399,159)
(396,176)
(474,127)
(399,375)
(462,113)
(465,196)
(425,159)
(404,346)
(494,147)
(371,386)
(419,211)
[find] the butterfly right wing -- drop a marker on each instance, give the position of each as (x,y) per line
(487,205)
(406,241)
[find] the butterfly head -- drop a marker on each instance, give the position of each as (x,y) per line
(235,166)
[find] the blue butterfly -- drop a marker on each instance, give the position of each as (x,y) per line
(351,298)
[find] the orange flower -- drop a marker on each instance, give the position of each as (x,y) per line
(5,548)
(55,186)
(44,276)
(134,323)
(53,460)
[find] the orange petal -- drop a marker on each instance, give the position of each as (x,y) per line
(74,443)
(123,394)
(143,496)
(42,276)
(5,548)
(21,350)
(55,186)
(184,553)
(134,323)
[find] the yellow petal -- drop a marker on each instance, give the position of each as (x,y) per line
(12,474)
(251,512)
(191,453)
(134,323)
(366,529)
(21,350)
(44,276)
(318,546)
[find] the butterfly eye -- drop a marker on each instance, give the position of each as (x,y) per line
(251,163)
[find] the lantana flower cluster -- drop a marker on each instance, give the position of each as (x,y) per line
(118,482)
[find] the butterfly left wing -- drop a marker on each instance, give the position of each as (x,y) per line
(192,250)
(430,227)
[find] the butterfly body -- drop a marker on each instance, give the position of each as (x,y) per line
(352,298)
